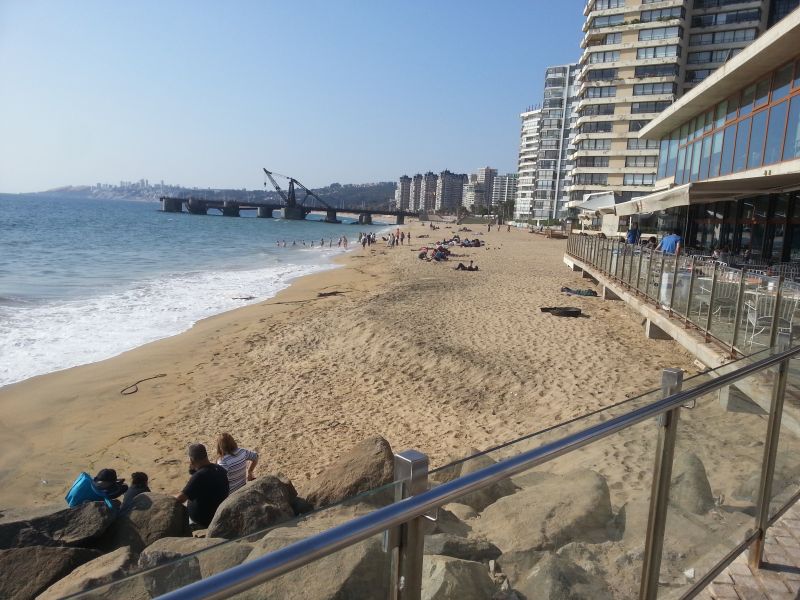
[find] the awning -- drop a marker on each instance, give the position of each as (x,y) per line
(596,202)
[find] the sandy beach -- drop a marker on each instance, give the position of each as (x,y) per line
(428,357)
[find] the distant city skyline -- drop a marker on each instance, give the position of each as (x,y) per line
(207,94)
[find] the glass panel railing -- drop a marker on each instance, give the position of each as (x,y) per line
(758,308)
(723,310)
(786,478)
(171,563)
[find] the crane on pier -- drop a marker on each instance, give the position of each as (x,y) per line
(290,198)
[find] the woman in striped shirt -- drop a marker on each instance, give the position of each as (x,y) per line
(235,460)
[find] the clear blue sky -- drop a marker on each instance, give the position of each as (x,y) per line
(205,94)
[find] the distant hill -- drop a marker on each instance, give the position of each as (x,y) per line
(367,195)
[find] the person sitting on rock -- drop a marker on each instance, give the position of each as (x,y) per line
(239,462)
(207,487)
(138,486)
(108,485)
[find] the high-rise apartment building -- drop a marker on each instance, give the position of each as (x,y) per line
(402,195)
(504,189)
(473,195)
(526,166)
(638,57)
(556,133)
(414,192)
(485,177)
(449,190)
(427,192)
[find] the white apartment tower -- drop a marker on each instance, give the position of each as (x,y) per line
(556,133)
(504,189)
(427,192)
(449,190)
(402,195)
(526,166)
(638,57)
(485,177)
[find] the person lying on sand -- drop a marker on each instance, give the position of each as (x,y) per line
(461,267)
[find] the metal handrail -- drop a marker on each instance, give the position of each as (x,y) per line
(247,575)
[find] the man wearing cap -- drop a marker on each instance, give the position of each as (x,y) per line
(207,487)
(108,484)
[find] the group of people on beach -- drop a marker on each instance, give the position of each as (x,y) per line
(209,484)
(340,243)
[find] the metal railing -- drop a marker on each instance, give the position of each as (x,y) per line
(740,309)
(403,521)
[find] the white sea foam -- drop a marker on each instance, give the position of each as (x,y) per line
(39,339)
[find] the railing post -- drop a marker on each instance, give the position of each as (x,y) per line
(639,270)
(691,289)
(711,300)
(773,333)
(770,452)
(649,273)
(410,468)
(657,297)
(618,246)
(674,284)
(671,381)
(739,305)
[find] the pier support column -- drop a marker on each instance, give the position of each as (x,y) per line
(264,212)
(230,209)
(365,219)
(330,217)
(172,205)
(197,207)
(293,213)
(401,219)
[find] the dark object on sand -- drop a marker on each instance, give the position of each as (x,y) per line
(562,311)
(573,292)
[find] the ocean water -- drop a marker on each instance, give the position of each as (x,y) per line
(84,280)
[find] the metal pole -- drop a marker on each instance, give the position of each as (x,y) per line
(657,297)
(615,252)
(649,272)
(674,284)
(711,300)
(410,468)
(691,289)
(671,381)
(770,452)
(738,316)
(639,269)
(773,333)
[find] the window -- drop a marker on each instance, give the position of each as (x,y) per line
(746,106)
(701,4)
(726,18)
(709,56)
(597,74)
(591,178)
(601,92)
(601,57)
(662,14)
(660,33)
(791,147)
(658,51)
(597,109)
(607,21)
(606,4)
(716,154)
(762,92)
(637,144)
(642,161)
(697,75)
(781,82)
(727,149)
(740,150)
(733,107)
(755,152)
(650,89)
(612,38)
(705,157)
(694,174)
(592,161)
(656,70)
(777,123)
(723,37)
(639,179)
(649,107)
(600,144)
(637,125)
(596,127)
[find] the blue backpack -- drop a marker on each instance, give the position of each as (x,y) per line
(84,490)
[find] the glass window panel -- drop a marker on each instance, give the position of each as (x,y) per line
(781,206)
(747,100)
(705,157)
(684,133)
(679,166)
(781,82)
(716,155)
(727,149)
(740,152)
(692,128)
(756,152)
(777,123)
(663,155)
(695,161)
(791,147)
(673,153)
(709,121)
(796,74)
(688,166)
(762,92)
(733,107)
(722,110)
(698,128)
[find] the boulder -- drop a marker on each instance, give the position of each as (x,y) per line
(102,571)
(690,488)
(572,507)
(215,554)
(461,511)
(556,578)
(474,549)
(151,517)
(359,571)
(170,571)
(27,572)
(261,504)
(447,522)
(367,466)
(517,563)
(444,578)
(79,526)
(482,498)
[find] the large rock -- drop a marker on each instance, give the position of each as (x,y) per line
(482,498)
(79,526)
(573,507)
(150,517)
(445,578)
(516,563)
(359,571)
(556,578)
(367,466)
(473,549)
(167,571)
(106,569)
(27,572)
(263,503)
(690,488)
(215,554)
